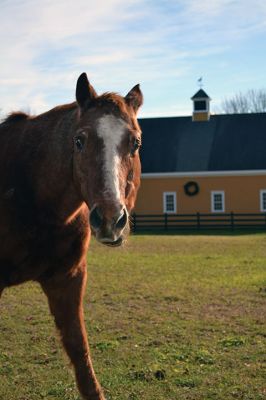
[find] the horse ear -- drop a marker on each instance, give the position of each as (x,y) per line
(134,98)
(85,93)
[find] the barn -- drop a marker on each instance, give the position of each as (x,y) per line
(203,163)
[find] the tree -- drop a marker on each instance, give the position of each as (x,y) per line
(253,101)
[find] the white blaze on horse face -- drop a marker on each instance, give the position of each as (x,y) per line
(111,130)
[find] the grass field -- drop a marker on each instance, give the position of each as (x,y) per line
(169,318)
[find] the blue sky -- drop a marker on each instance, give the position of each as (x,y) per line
(163,45)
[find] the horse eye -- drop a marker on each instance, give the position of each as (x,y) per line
(130,175)
(135,146)
(79,142)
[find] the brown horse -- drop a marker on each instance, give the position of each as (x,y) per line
(63,172)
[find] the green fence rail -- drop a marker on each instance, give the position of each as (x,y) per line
(198,221)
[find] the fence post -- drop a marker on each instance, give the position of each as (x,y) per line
(165,221)
(232,221)
(198,220)
(134,222)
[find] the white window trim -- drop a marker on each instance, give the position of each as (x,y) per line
(164,202)
(213,192)
(262,191)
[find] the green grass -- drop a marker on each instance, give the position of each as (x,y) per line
(168,317)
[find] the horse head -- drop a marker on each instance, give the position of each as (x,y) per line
(106,158)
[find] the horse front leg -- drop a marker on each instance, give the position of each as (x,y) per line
(65,296)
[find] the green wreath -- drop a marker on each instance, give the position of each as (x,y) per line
(191,188)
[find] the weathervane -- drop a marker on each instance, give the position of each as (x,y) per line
(200,82)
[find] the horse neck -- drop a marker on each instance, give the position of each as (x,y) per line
(54,169)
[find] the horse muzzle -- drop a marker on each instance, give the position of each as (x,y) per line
(108,231)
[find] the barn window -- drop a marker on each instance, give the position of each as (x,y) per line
(169,202)
(200,105)
(263,200)
(217,201)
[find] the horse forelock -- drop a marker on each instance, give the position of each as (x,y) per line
(111,102)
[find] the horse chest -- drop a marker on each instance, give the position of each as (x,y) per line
(43,250)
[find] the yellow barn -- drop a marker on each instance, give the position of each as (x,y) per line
(203,163)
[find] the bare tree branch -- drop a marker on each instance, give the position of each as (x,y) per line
(253,101)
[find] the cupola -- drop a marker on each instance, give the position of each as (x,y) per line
(201,106)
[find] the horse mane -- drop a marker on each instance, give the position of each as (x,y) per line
(63,107)
(16,117)
(106,99)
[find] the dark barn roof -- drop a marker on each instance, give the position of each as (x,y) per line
(232,142)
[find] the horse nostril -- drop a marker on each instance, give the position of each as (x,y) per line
(122,220)
(96,218)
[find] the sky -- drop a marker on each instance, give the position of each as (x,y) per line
(165,45)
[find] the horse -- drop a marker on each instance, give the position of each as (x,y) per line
(67,173)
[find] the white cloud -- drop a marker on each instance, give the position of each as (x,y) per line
(47,44)
(34,28)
